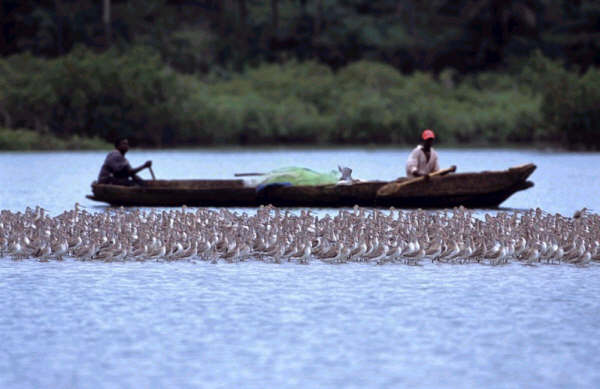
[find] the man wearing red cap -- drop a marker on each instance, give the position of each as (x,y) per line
(423,159)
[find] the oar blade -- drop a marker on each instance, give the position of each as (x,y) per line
(393,187)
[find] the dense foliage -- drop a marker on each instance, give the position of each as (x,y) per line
(136,95)
(33,140)
(410,35)
(171,73)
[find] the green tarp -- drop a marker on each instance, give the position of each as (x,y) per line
(299,176)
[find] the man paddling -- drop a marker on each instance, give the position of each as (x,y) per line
(423,160)
(116,169)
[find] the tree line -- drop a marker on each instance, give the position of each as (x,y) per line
(136,94)
(410,35)
(171,73)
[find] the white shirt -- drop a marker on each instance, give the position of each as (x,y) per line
(417,162)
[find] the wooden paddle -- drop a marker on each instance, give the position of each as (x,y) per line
(152,173)
(248,174)
(393,187)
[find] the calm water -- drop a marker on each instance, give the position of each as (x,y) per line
(564,182)
(157,325)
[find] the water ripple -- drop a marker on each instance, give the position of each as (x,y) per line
(77,324)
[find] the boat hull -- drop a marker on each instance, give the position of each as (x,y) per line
(483,189)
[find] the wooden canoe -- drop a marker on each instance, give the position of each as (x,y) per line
(483,189)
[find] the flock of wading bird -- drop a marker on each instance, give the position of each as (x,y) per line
(273,235)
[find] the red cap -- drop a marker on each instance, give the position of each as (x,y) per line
(428,134)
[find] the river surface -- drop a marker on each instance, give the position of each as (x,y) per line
(74,324)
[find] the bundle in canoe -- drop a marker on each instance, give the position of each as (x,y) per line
(483,189)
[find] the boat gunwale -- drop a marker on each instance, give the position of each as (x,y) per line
(330,195)
(526,170)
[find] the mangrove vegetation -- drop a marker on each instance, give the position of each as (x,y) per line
(76,74)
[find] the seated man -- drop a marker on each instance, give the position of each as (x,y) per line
(116,169)
(423,160)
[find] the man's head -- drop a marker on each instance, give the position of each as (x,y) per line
(428,137)
(122,144)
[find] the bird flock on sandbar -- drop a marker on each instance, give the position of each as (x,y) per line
(274,235)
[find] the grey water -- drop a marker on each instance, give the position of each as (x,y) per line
(74,324)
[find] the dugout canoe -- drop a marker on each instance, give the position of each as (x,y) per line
(485,189)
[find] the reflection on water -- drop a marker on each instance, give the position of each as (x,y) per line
(155,325)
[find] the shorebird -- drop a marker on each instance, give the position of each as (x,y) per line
(434,250)
(413,257)
(583,259)
(532,255)
(579,213)
(451,252)
(17,251)
(496,254)
(358,251)
(60,249)
(271,235)
(341,256)
(306,253)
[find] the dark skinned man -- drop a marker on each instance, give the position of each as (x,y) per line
(423,160)
(116,169)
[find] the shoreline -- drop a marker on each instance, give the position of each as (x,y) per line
(25,140)
(30,141)
(317,147)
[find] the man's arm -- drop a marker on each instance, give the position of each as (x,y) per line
(412,165)
(134,171)
(436,165)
